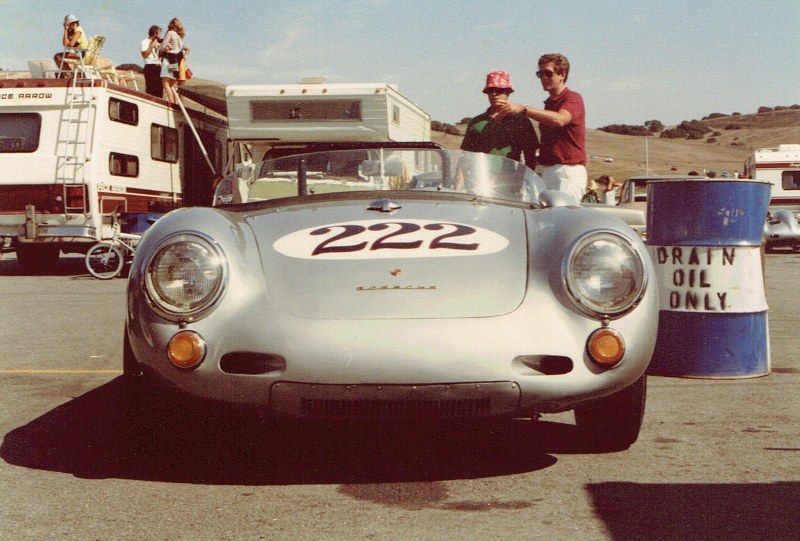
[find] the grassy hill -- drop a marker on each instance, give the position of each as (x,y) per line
(727,153)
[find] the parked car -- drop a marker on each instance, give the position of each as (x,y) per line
(356,296)
(782,230)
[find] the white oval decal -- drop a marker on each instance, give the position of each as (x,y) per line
(385,239)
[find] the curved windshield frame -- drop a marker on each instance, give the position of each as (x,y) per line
(380,169)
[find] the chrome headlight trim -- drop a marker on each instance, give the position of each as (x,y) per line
(604,274)
(185,276)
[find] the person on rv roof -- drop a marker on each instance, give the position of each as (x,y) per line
(172,52)
(75,40)
(152,63)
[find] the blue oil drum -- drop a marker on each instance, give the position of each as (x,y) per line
(138,222)
(705,237)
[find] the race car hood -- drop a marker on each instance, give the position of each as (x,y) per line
(418,259)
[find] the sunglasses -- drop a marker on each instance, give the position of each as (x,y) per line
(497,91)
(545,73)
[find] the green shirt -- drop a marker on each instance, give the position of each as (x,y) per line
(510,137)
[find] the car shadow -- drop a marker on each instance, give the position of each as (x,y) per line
(698,511)
(68,265)
(95,436)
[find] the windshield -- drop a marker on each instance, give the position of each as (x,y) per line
(419,169)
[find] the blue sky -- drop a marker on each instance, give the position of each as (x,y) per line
(632,60)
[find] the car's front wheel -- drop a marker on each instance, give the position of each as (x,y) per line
(612,423)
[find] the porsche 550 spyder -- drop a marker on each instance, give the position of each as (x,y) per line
(396,282)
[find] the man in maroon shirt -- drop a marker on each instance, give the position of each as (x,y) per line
(562,124)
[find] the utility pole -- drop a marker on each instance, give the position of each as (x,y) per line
(647,156)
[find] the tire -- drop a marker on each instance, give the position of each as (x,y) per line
(104,260)
(612,423)
(37,258)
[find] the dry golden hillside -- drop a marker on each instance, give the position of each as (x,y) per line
(634,155)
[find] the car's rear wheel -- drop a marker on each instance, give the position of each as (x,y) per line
(612,423)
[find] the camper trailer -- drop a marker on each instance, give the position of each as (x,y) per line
(75,150)
(781,167)
(277,120)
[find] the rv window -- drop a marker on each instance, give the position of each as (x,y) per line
(19,132)
(163,143)
(395,114)
(790,180)
(123,111)
(123,165)
(305,110)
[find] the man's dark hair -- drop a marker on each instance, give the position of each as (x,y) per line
(153,29)
(560,63)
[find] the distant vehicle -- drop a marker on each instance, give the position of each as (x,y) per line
(608,159)
(324,286)
(725,174)
(781,167)
(782,230)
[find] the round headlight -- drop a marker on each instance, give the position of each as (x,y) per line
(604,274)
(185,275)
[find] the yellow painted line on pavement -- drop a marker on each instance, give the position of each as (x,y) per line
(46,371)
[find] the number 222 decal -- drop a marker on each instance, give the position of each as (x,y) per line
(378,239)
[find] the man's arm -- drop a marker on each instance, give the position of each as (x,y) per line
(559,118)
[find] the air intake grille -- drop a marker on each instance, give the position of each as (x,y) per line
(369,401)
(401,409)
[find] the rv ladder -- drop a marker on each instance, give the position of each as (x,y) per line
(74,138)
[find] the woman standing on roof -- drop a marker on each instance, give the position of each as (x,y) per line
(74,38)
(172,50)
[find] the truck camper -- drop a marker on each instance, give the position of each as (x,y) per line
(781,167)
(75,150)
(274,120)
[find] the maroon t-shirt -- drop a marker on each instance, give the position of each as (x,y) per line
(564,145)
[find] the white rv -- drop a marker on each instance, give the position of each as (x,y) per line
(73,151)
(781,167)
(279,119)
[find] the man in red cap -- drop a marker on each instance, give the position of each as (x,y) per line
(512,136)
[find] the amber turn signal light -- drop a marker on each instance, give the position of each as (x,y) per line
(186,349)
(606,347)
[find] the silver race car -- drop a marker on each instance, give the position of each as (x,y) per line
(396,282)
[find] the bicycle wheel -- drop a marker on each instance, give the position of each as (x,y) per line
(104,260)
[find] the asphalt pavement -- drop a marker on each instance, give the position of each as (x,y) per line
(716,459)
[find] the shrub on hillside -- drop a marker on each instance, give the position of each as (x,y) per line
(673,133)
(443,127)
(764,109)
(654,126)
(625,129)
(691,129)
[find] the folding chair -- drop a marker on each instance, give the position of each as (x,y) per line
(41,69)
